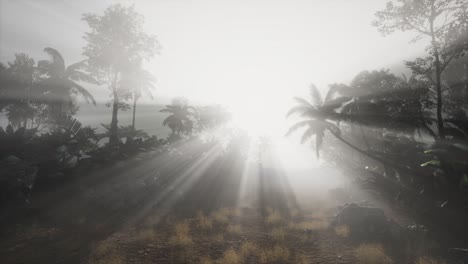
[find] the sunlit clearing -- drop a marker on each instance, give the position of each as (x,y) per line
(261,113)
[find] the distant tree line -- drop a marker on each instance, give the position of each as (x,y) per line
(40,100)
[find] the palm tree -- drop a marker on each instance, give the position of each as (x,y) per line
(180,118)
(315,114)
(140,82)
(61,84)
(320,115)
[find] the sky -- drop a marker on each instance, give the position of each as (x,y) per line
(252,56)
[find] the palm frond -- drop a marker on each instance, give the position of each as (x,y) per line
(315,95)
(298,125)
(75,72)
(303,102)
(307,134)
(297,109)
(318,142)
(57,64)
(82,91)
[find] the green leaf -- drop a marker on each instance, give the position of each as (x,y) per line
(435,163)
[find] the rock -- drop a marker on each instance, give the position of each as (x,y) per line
(71,162)
(11,160)
(62,149)
(362,221)
(339,195)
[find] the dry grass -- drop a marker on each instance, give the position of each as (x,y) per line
(103,248)
(429,260)
(151,221)
(147,234)
(301,259)
(181,235)
(218,238)
(203,221)
(234,229)
(105,252)
(342,231)
(318,215)
(248,249)
(278,233)
(206,260)
(221,216)
(230,257)
(278,254)
(113,258)
(274,217)
(235,212)
(371,254)
(295,213)
(313,225)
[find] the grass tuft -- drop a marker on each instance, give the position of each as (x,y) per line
(234,229)
(371,254)
(274,217)
(206,260)
(221,216)
(278,254)
(248,249)
(181,235)
(230,257)
(429,260)
(203,221)
(342,230)
(278,233)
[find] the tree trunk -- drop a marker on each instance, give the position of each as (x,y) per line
(465,91)
(113,133)
(381,160)
(134,111)
(440,121)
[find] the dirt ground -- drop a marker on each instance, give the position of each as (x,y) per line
(179,205)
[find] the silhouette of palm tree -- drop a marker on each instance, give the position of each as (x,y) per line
(61,84)
(319,116)
(315,114)
(180,118)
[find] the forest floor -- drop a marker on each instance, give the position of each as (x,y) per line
(179,205)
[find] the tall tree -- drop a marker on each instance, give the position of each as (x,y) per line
(16,97)
(116,43)
(315,115)
(62,83)
(440,20)
(321,115)
(140,82)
